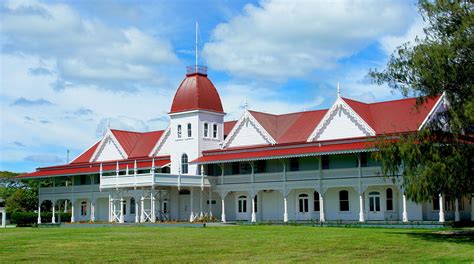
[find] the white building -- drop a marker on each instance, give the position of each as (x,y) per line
(312,165)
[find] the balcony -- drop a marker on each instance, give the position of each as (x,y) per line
(69,189)
(157,179)
(297,175)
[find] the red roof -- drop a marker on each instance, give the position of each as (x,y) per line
(135,144)
(253,153)
(294,127)
(87,155)
(196,92)
(396,116)
(228,126)
(87,168)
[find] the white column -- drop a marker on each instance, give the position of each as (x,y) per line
(114,210)
(39,212)
(191,216)
(321,208)
(137,218)
(65,206)
(210,202)
(223,220)
(285,208)
(152,213)
(142,209)
(472,207)
(122,220)
(254,215)
(200,203)
(457,218)
(92,211)
(110,206)
(361,208)
(404,213)
(441,209)
(72,211)
(4,219)
(53,218)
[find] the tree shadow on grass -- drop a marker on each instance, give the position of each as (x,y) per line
(451,236)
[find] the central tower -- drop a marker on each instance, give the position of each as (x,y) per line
(196,120)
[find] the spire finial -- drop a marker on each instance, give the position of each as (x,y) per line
(338,90)
(108,124)
(197,28)
(246,105)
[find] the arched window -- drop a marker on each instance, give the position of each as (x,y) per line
(343,201)
(184,192)
(132,205)
(303,203)
(84,208)
(242,204)
(374,202)
(389,194)
(124,207)
(214,130)
(206,130)
(180,133)
(190,133)
(184,163)
(316,201)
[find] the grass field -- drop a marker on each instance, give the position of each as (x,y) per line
(260,244)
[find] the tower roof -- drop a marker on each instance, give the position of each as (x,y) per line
(196,92)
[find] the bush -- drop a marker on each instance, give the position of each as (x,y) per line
(31,218)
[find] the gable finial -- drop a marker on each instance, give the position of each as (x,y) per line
(338,90)
(246,105)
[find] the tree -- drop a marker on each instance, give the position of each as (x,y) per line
(440,158)
(19,196)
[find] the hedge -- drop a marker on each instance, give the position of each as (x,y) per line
(31,218)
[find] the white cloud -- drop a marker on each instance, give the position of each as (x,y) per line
(280,39)
(84,51)
(390,43)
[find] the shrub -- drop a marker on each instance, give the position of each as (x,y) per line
(31,218)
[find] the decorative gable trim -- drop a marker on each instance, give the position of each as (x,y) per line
(160,142)
(442,102)
(108,136)
(248,117)
(340,105)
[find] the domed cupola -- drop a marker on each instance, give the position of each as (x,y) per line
(196,92)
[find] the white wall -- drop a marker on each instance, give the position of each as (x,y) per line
(247,135)
(194,145)
(109,151)
(341,126)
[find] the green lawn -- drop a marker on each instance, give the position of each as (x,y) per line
(232,244)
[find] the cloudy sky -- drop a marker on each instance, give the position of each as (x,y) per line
(69,68)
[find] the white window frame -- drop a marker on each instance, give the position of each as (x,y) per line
(215,130)
(179,131)
(189,130)
(374,197)
(84,208)
(303,198)
(206,130)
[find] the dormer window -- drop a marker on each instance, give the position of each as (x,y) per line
(206,130)
(190,134)
(179,131)
(214,130)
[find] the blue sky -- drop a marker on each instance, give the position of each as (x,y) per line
(67,68)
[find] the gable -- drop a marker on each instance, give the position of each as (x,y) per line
(247,132)
(108,150)
(162,145)
(341,121)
